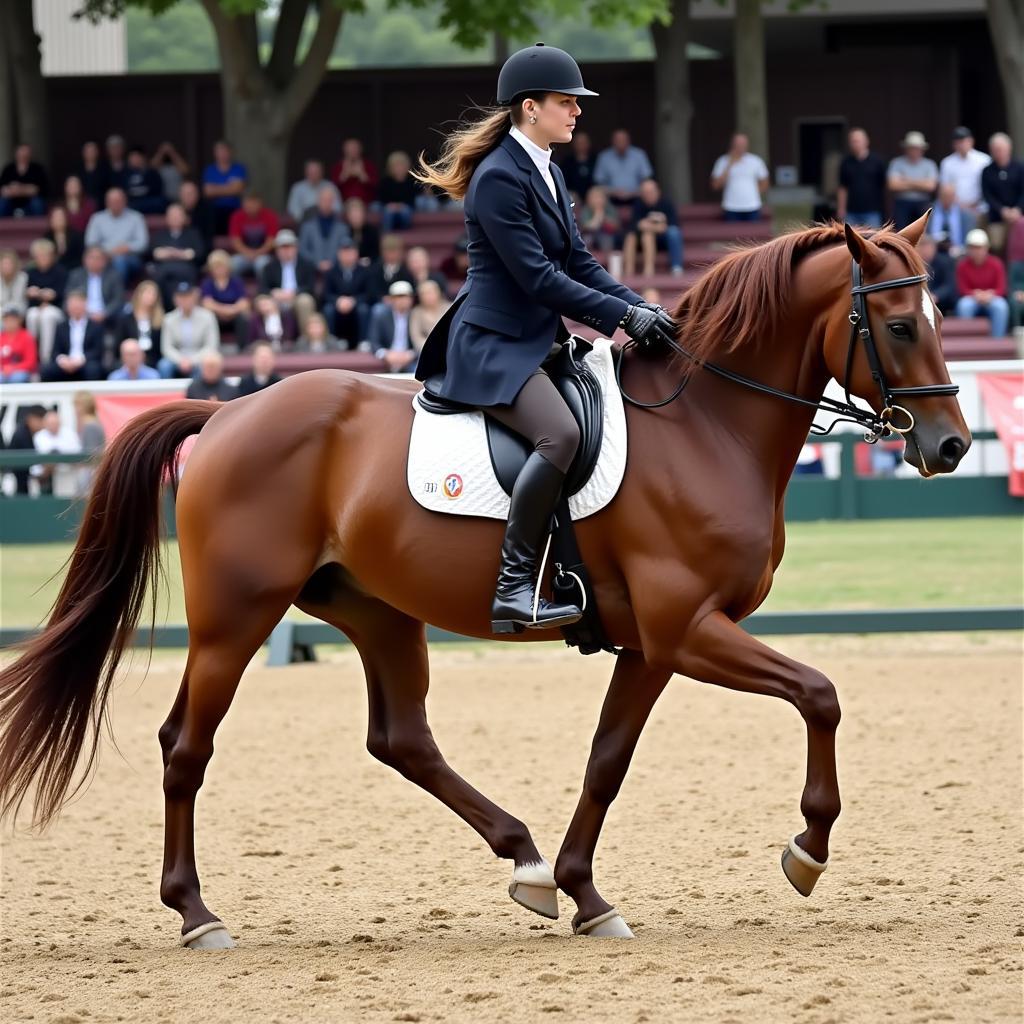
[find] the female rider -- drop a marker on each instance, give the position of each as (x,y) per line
(528,267)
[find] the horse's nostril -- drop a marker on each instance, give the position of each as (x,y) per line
(951,449)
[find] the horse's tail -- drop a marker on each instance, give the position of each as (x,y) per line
(53,699)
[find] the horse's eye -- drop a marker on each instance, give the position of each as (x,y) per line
(899,330)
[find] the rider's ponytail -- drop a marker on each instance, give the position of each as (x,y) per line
(467,145)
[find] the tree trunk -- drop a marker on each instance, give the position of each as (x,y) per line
(7,142)
(673,104)
(748,70)
(260,133)
(1006,26)
(32,125)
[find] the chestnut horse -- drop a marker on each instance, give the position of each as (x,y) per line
(298,496)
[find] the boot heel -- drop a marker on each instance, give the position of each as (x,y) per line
(506,626)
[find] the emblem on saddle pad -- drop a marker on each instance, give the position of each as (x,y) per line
(452,485)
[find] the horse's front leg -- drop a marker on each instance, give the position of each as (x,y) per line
(716,650)
(634,688)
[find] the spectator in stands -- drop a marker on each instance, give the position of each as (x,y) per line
(347,295)
(13,281)
(455,266)
(318,338)
(578,167)
(398,193)
(389,268)
(77,345)
(178,253)
(30,422)
(69,242)
(91,438)
(56,438)
(47,281)
(18,357)
(133,363)
(962,169)
(189,332)
(323,231)
(198,211)
(417,262)
(600,223)
(142,184)
(1015,261)
(172,167)
(950,222)
(144,321)
(224,182)
(431,305)
(621,168)
(1002,188)
(102,285)
(209,383)
(742,178)
(366,235)
(78,205)
(121,233)
(655,225)
(290,279)
(261,375)
(860,199)
(355,176)
(252,230)
(912,178)
(224,295)
(272,323)
(117,165)
(981,282)
(92,172)
(305,195)
(941,273)
(389,330)
(23,186)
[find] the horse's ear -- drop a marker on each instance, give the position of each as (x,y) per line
(913,232)
(864,251)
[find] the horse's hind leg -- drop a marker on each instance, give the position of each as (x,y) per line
(393,650)
(227,625)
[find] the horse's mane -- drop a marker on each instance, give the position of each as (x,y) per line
(745,294)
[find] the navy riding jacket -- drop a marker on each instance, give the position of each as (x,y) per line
(528,267)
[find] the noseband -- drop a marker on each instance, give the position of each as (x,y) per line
(878,425)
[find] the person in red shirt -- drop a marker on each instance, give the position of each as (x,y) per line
(981,282)
(354,174)
(252,230)
(18,358)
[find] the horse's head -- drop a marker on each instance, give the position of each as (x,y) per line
(904,326)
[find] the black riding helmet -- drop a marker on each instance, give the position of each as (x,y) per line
(540,68)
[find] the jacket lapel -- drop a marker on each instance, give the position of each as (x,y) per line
(522,158)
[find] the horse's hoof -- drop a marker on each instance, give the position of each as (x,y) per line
(533,886)
(212,935)
(608,925)
(801,868)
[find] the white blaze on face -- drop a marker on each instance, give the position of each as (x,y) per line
(928,308)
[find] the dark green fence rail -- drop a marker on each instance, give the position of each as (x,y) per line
(850,496)
(296,641)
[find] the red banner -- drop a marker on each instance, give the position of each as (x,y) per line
(114,411)
(1003,395)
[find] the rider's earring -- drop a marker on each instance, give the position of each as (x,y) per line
(533,120)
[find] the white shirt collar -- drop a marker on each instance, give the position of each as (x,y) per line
(541,157)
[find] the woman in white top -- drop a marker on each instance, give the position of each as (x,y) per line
(742,178)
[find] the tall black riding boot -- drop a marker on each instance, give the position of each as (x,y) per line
(534,498)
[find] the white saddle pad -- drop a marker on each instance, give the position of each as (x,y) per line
(449,468)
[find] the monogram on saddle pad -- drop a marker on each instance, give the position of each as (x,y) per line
(463,462)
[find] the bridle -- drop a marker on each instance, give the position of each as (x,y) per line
(878,425)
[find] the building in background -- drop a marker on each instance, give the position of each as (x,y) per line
(77,47)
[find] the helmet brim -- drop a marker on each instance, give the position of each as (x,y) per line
(579,91)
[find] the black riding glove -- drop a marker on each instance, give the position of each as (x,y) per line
(651,330)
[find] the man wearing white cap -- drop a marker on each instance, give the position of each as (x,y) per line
(962,169)
(389,331)
(981,282)
(912,180)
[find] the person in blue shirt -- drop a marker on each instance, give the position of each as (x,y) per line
(224,181)
(133,363)
(528,267)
